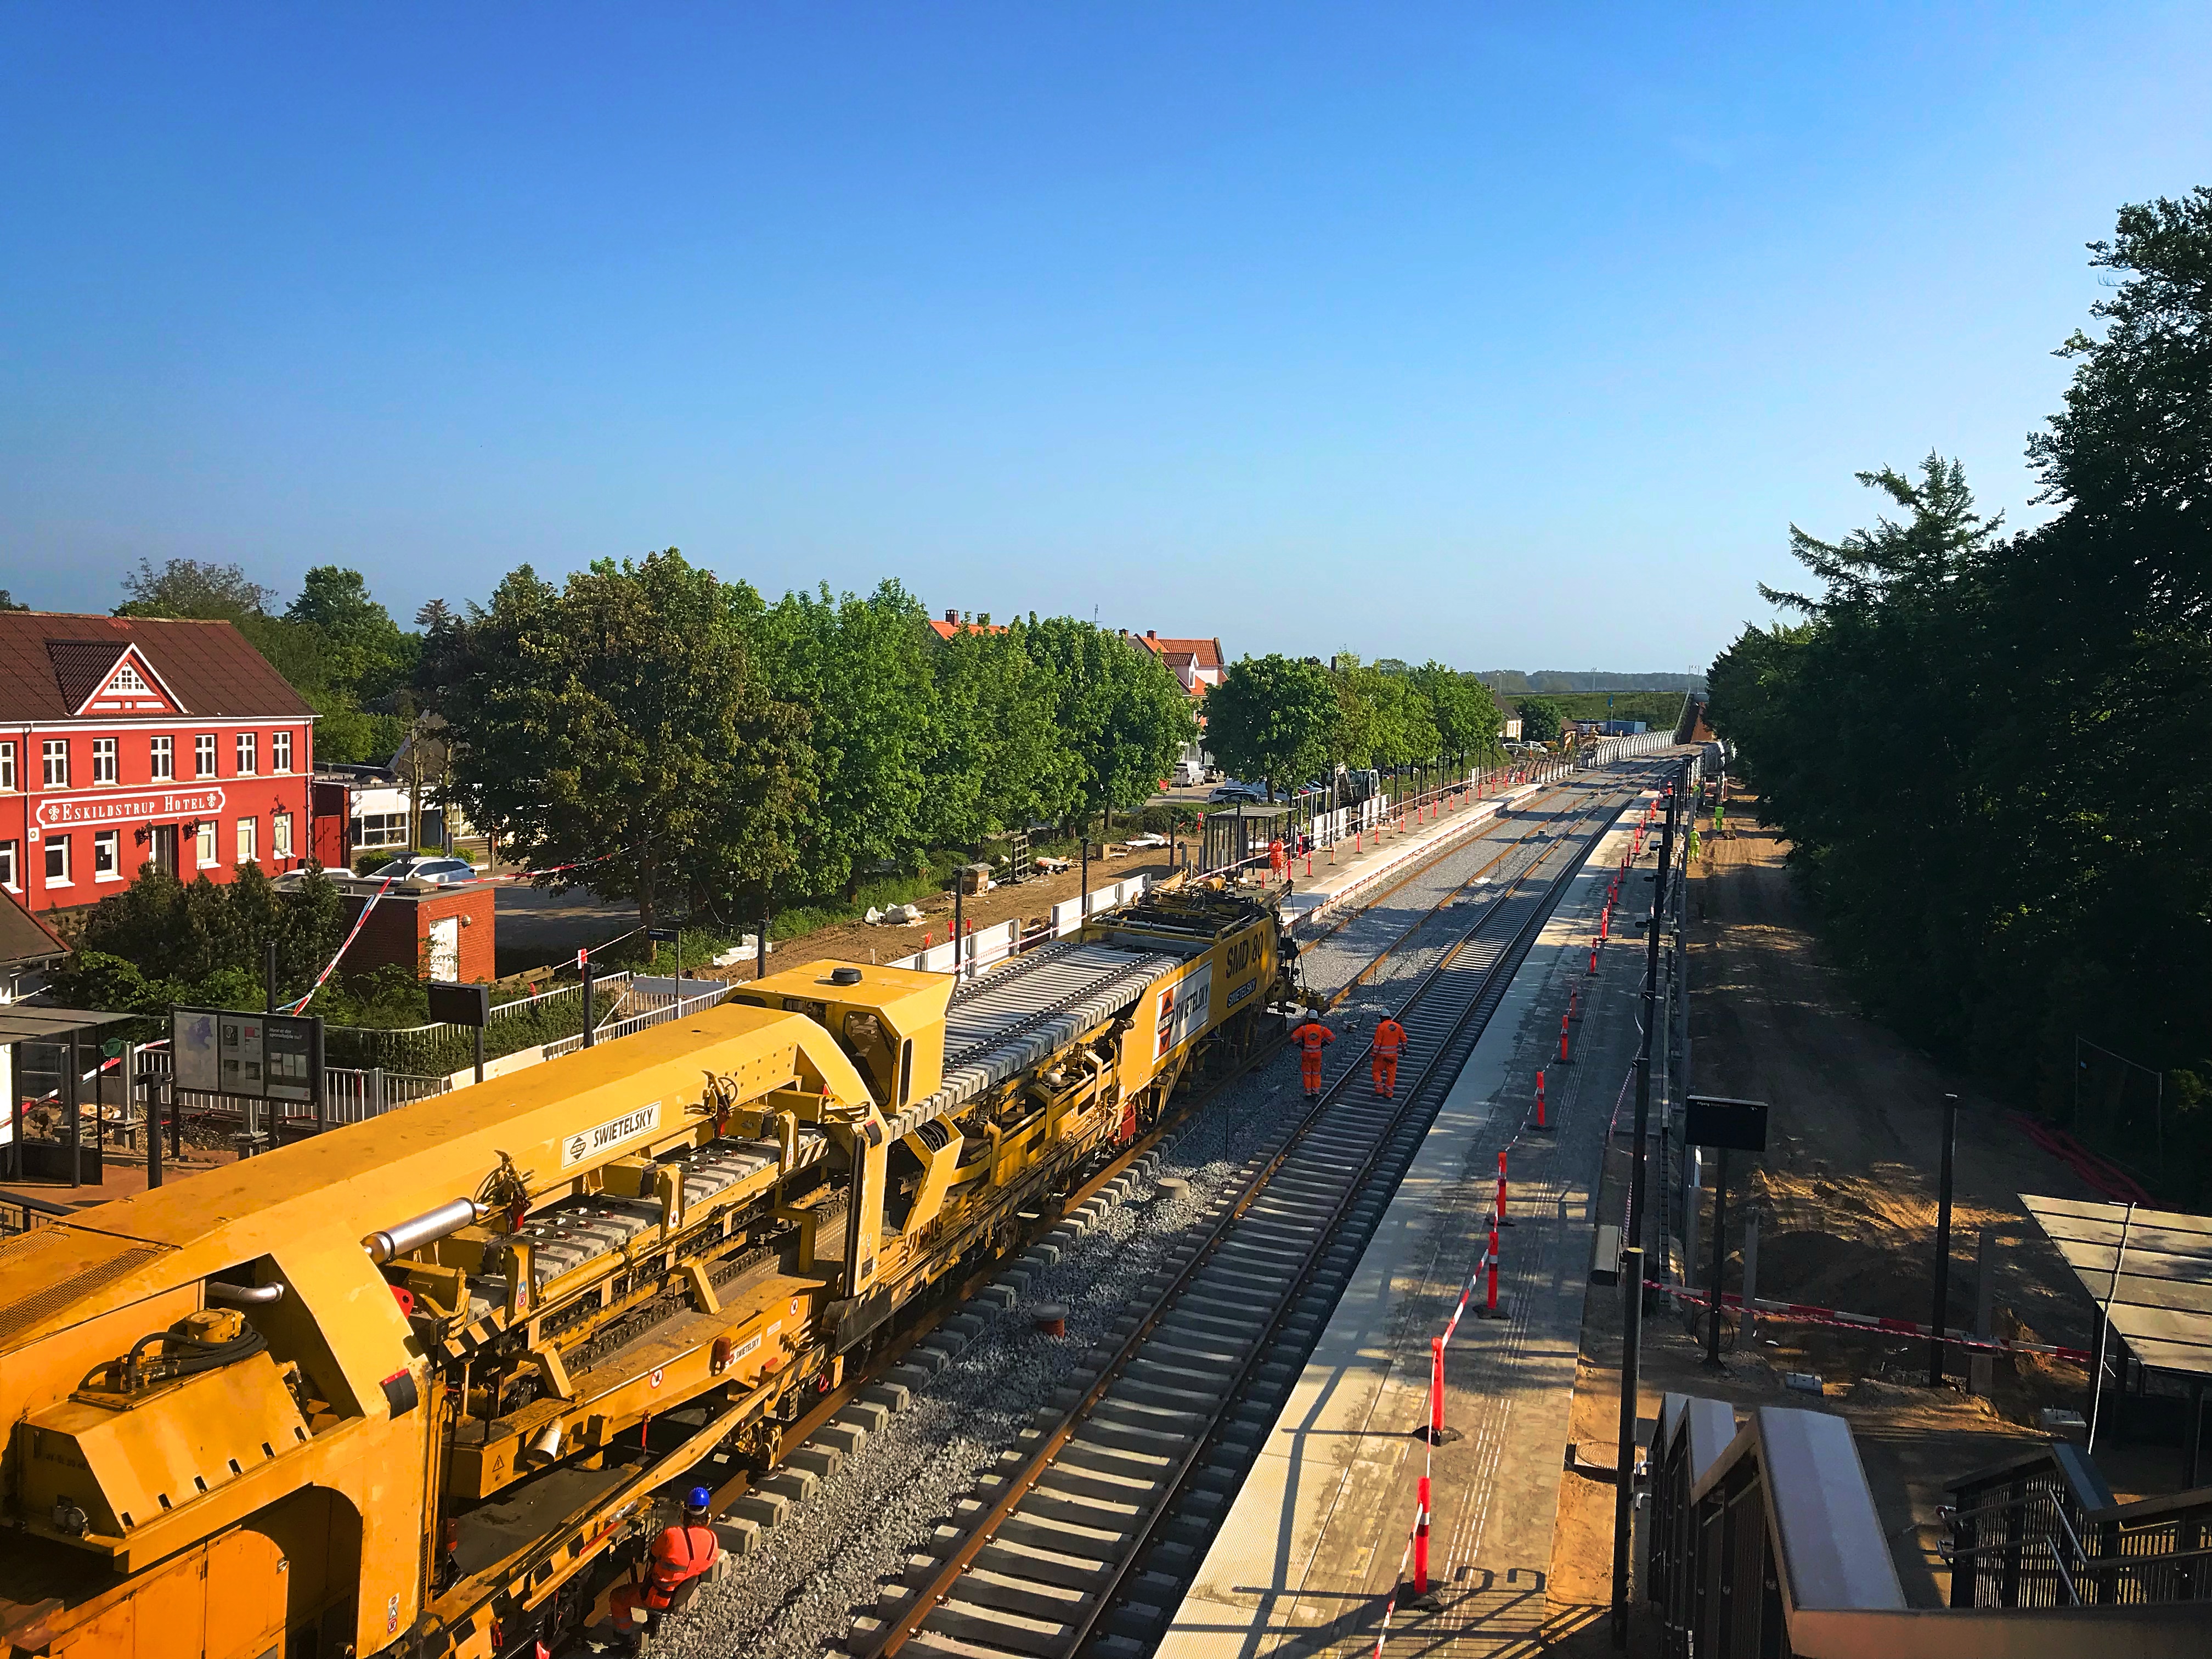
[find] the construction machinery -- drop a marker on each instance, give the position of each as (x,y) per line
(408,1386)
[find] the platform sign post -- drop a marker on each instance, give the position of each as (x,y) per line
(270,1058)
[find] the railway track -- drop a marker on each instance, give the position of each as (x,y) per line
(1082,1542)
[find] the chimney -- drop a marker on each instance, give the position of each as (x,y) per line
(952,616)
(1151,633)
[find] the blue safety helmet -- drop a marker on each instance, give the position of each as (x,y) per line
(698,1498)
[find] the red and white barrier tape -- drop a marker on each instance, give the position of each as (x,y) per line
(1799,1313)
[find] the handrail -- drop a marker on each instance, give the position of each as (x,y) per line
(1819,1581)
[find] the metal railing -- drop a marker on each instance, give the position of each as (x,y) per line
(1764,1541)
(639,1008)
(439,1046)
(20,1213)
(2043,1530)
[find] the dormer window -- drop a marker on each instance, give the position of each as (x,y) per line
(127,680)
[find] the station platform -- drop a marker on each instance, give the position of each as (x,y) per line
(1314,900)
(1311,1550)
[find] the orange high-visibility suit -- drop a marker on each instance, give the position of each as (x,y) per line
(1389,1043)
(1278,860)
(679,1555)
(1309,1037)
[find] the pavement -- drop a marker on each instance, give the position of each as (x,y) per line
(535,926)
(1323,881)
(1312,1548)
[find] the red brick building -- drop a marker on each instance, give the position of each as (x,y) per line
(131,740)
(434,932)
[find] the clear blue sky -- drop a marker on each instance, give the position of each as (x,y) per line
(1514,335)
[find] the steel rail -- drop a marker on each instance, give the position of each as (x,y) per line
(1384,1130)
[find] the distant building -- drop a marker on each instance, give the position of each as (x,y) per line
(1197,663)
(953,623)
(127,741)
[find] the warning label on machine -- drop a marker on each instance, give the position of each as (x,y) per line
(1182,1010)
(589,1142)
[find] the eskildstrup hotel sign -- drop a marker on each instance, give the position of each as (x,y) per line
(69,810)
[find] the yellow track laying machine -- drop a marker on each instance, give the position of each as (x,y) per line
(409,1387)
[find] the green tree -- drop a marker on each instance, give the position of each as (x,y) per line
(619,723)
(1464,713)
(1271,718)
(861,670)
(162,941)
(194,588)
(7,601)
(364,651)
(1540,719)
(996,759)
(1124,718)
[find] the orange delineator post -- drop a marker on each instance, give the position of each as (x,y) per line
(1421,1542)
(1562,1039)
(1594,944)
(1490,1306)
(1540,1101)
(1503,1220)
(1574,1002)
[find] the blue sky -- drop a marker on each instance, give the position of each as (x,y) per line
(1509,336)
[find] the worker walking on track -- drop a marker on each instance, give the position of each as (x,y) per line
(1311,1037)
(678,1559)
(1389,1043)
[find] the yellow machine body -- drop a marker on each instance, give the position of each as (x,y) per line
(252,1410)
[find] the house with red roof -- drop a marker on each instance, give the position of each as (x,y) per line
(1197,663)
(133,740)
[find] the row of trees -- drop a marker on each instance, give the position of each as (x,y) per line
(709,753)
(1992,752)
(1282,721)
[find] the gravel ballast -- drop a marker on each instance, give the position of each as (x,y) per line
(825,1560)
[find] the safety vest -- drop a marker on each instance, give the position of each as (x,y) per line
(1389,1039)
(1311,1034)
(679,1555)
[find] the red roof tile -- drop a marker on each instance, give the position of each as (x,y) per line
(1205,654)
(212,668)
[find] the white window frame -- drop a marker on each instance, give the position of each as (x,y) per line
(8,768)
(280,834)
(58,844)
(55,757)
(107,851)
(247,762)
(11,865)
(161,760)
(386,835)
(105,766)
(203,755)
(203,844)
(280,751)
(128,679)
(248,834)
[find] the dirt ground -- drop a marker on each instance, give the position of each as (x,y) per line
(1846,1194)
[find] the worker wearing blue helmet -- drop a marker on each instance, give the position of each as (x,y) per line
(679,1558)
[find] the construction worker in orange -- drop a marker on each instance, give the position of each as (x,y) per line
(1311,1037)
(678,1559)
(1389,1043)
(1278,859)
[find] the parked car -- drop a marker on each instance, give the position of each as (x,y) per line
(1231,793)
(438,869)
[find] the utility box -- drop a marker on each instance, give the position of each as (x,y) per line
(974,878)
(434,932)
